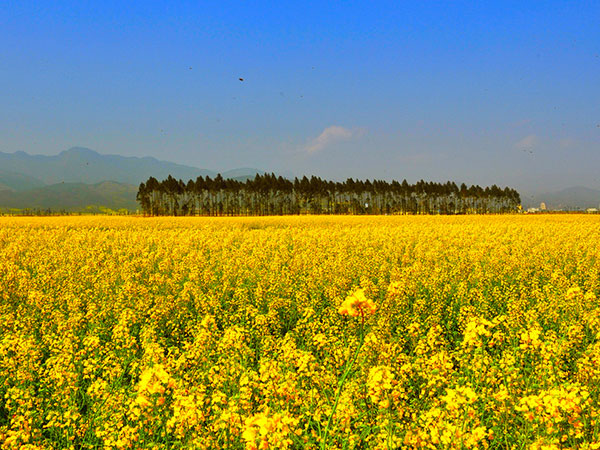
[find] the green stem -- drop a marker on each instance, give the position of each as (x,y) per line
(347,370)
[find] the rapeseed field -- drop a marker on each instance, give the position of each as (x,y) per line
(412,332)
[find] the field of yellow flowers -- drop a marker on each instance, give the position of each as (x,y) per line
(300,332)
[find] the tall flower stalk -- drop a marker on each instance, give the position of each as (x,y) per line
(355,305)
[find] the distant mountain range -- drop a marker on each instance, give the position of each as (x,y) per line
(72,197)
(82,165)
(80,179)
(569,199)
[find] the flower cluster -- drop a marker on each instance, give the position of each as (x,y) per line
(357,304)
(406,332)
(264,430)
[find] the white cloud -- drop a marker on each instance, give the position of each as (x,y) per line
(528,142)
(331,135)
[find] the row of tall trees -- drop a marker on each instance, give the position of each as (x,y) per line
(271,195)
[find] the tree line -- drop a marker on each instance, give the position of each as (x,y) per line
(271,195)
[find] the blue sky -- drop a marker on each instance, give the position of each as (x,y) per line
(481,92)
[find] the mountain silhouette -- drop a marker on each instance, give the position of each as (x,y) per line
(72,197)
(569,199)
(83,165)
(82,180)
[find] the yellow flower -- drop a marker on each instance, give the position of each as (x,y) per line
(379,381)
(357,304)
(574,292)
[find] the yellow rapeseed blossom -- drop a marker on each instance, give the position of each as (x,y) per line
(264,430)
(379,381)
(357,304)
(476,332)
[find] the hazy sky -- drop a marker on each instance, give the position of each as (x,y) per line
(482,92)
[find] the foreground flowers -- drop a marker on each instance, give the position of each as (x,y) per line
(357,305)
(300,332)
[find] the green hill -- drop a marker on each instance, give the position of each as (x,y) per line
(82,165)
(72,197)
(13,181)
(75,180)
